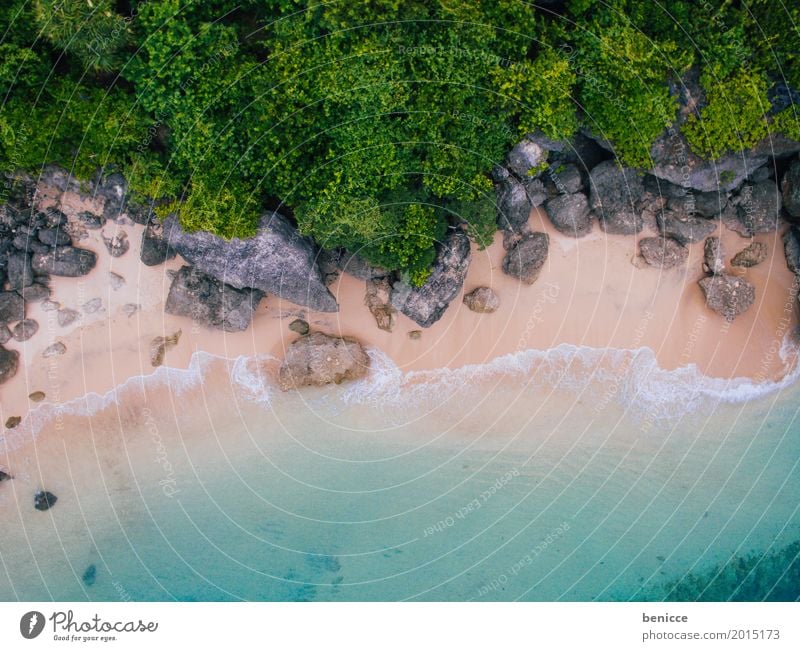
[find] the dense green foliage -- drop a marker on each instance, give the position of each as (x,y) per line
(375,123)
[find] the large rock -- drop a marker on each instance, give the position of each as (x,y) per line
(685,229)
(713,256)
(728,295)
(663,252)
(790,186)
(570,214)
(513,204)
(529,156)
(25,329)
(425,305)
(526,258)
(615,194)
(9,361)
(758,207)
(791,247)
(378,299)
(750,256)
(277,260)
(209,302)
(155,249)
(64,261)
(318,359)
(19,270)
(12,307)
(55,236)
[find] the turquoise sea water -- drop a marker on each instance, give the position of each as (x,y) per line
(568,475)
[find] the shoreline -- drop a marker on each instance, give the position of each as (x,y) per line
(594,293)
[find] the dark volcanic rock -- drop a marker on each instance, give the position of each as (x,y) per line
(759,206)
(25,329)
(791,247)
(44,500)
(210,302)
(564,179)
(12,307)
(527,257)
(5,334)
(64,261)
(570,214)
(91,221)
(318,359)
(277,260)
(19,270)
(685,229)
(728,295)
(713,256)
(155,248)
(482,300)
(9,361)
(529,156)
(425,305)
(662,252)
(513,204)
(35,292)
(790,186)
(615,196)
(751,256)
(54,237)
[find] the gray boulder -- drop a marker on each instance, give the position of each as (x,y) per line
(9,361)
(513,204)
(378,299)
(25,329)
(425,305)
(615,195)
(318,359)
(19,270)
(685,229)
(155,250)
(54,237)
(529,156)
(791,247)
(118,244)
(713,256)
(758,207)
(790,186)
(570,214)
(277,260)
(209,302)
(12,308)
(564,179)
(663,252)
(526,258)
(728,295)
(64,261)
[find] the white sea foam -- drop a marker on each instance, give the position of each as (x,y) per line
(630,377)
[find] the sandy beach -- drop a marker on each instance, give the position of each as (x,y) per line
(593,292)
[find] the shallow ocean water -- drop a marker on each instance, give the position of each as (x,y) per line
(575,474)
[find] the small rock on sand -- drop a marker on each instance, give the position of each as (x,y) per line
(25,329)
(482,300)
(299,326)
(67,316)
(160,345)
(728,295)
(415,335)
(36,396)
(44,500)
(93,306)
(754,254)
(12,422)
(4,476)
(55,349)
(663,252)
(129,309)
(115,280)
(713,256)
(318,359)
(117,244)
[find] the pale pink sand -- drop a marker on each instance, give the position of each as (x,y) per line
(592,292)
